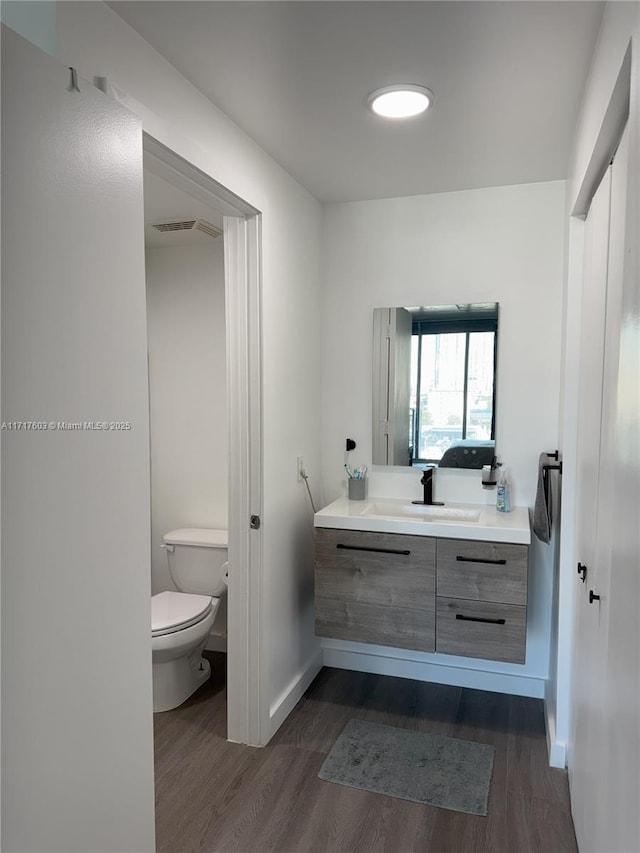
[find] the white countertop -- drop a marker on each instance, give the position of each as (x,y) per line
(491,526)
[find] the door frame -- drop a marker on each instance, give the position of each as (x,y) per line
(247,705)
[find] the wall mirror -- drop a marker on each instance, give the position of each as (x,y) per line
(434,385)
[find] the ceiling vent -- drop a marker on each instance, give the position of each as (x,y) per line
(189,225)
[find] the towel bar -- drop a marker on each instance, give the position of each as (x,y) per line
(555,455)
(542,512)
(546,468)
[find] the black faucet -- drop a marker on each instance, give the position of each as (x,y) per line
(427,482)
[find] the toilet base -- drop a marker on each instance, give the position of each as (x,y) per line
(175,680)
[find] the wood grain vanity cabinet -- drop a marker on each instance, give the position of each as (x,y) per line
(453,596)
(375,588)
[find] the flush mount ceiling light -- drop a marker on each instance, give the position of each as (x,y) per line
(400,101)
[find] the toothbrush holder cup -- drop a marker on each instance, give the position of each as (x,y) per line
(357,488)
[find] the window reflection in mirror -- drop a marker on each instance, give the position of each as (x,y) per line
(434,385)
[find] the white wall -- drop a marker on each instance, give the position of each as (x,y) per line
(503,244)
(187,394)
(92,38)
(77,734)
(620,26)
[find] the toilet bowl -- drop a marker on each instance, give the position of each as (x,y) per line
(181,621)
(180,625)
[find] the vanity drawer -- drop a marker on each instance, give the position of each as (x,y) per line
(375,588)
(381,548)
(482,571)
(382,625)
(375,568)
(481,629)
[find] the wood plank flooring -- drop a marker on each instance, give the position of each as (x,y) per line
(216,796)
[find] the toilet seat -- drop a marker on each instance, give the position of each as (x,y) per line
(198,537)
(175,611)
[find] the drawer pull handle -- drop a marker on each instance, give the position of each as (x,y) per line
(475,560)
(478,619)
(376,550)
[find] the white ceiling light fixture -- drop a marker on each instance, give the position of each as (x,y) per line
(402,100)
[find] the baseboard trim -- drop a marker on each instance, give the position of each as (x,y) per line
(496,682)
(556,750)
(216,643)
(558,755)
(291,695)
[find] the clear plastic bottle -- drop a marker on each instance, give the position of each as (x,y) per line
(503,496)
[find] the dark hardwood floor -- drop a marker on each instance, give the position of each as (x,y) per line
(217,796)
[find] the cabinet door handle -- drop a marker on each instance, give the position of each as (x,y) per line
(375,550)
(476,560)
(479,619)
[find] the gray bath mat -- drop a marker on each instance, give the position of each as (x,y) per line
(425,768)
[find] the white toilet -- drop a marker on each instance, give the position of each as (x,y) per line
(181,621)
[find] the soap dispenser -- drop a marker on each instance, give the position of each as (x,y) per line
(503,496)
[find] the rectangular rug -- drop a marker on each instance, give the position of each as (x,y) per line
(425,768)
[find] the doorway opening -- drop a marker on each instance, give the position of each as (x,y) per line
(218,209)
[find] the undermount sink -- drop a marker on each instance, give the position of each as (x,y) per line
(416,512)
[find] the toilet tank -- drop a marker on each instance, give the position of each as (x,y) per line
(197,559)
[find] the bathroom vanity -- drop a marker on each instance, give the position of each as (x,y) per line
(451,579)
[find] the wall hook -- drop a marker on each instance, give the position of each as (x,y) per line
(73,85)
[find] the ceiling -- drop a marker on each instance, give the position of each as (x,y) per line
(507,79)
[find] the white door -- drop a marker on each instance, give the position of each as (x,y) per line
(400,387)
(616,560)
(392,329)
(587,644)
(77,744)
(604,788)
(618,576)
